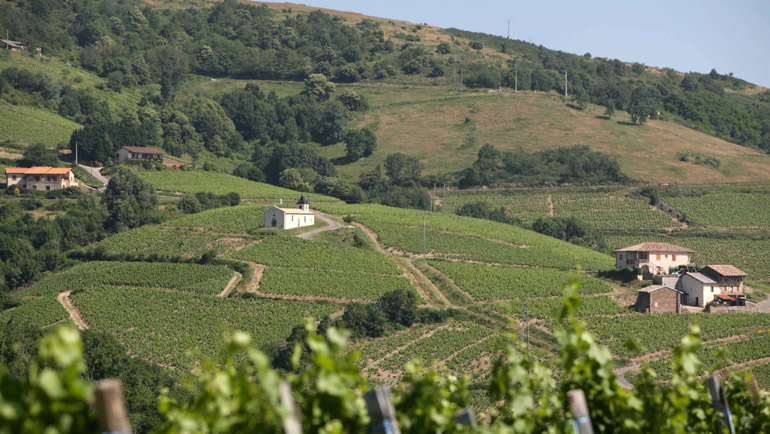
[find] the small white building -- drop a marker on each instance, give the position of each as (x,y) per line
(290,218)
(699,289)
(653,258)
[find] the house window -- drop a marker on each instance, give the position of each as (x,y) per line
(47,187)
(673,257)
(657,257)
(13,177)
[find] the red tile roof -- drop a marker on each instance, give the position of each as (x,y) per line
(142,150)
(655,247)
(724,297)
(43,170)
(725,270)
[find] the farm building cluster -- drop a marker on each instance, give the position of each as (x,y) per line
(678,282)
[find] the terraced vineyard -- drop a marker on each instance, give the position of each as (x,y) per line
(295,252)
(195,181)
(727,207)
(34,125)
(204,279)
(762,374)
(173,328)
(243,219)
(36,312)
(608,209)
(454,236)
(543,308)
(750,255)
(662,331)
(330,283)
(726,354)
(489,282)
(154,241)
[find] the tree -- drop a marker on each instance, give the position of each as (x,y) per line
(39,155)
(353,101)
(292,179)
(609,110)
(130,201)
(168,67)
(403,169)
(359,143)
(364,320)
(400,306)
(318,87)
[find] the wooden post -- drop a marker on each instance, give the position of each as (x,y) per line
(110,409)
(754,391)
(291,424)
(719,402)
(579,409)
(466,417)
(381,411)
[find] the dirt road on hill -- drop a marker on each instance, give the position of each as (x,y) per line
(332,225)
(64,299)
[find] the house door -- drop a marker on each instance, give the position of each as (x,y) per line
(274,222)
(696,301)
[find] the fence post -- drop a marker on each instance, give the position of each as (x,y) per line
(719,402)
(579,408)
(291,424)
(110,409)
(381,411)
(466,417)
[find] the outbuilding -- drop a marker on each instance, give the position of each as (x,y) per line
(659,299)
(699,289)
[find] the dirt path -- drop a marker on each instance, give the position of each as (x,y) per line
(453,355)
(373,363)
(331,225)
(657,355)
(64,299)
(230,285)
(549,201)
(405,265)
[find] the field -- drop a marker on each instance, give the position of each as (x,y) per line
(543,308)
(243,219)
(184,326)
(607,209)
(490,282)
(462,237)
(662,331)
(31,125)
(432,128)
(165,242)
(726,207)
(203,279)
(195,181)
(36,312)
(343,285)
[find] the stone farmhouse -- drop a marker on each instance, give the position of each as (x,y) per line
(653,258)
(659,299)
(729,278)
(698,288)
(137,153)
(40,178)
(290,218)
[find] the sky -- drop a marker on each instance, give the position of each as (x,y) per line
(687,35)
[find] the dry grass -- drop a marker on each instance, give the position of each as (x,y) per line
(429,123)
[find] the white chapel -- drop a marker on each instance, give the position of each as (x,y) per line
(290,218)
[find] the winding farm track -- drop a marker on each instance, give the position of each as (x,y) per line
(415,276)
(231,284)
(331,225)
(64,299)
(657,355)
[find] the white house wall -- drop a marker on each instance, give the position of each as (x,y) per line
(287,220)
(692,287)
(665,262)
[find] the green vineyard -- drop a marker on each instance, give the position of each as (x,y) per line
(243,219)
(196,181)
(544,308)
(163,242)
(330,283)
(35,312)
(203,279)
(489,282)
(173,328)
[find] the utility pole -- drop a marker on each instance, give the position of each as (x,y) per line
(565,83)
(526,321)
(509,28)
(424,244)
(76,152)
